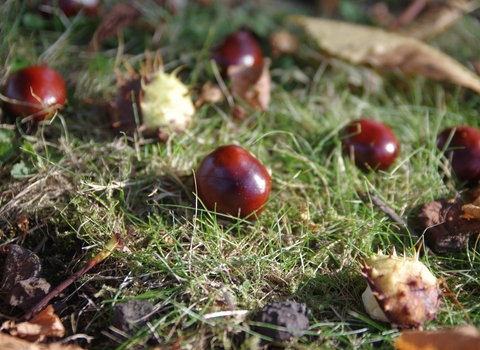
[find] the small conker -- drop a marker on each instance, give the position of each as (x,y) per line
(35,90)
(372,144)
(232,181)
(73,7)
(463,149)
(238,49)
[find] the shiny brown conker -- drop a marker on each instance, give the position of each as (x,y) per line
(372,144)
(36,90)
(231,181)
(72,7)
(238,49)
(462,146)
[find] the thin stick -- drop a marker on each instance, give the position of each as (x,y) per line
(370,196)
(112,244)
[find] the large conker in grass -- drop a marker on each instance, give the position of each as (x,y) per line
(231,181)
(37,91)
(462,146)
(238,49)
(372,144)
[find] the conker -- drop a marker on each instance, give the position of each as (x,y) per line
(73,7)
(238,49)
(232,181)
(463,150)
(372,144)
(38,91)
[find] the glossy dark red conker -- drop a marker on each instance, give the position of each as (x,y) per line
(238,48)
(230,180)
(372,144)
(38,90)
(73,7)
(462,144)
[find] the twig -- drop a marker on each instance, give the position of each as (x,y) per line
(112,244)
(370,196)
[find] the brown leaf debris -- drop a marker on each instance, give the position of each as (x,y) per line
(119,17)
(14,343)
(446,226)
(251,84)
(365,45)
(45,324)
(465,338)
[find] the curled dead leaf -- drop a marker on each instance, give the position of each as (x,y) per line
(437,17)
(250,86)
(14,343)
(465,338)
(365,45)
(446,229)
(119,17)
(471,211)
(45,324)
(283,43)
(211,93)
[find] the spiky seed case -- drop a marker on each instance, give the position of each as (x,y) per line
(401,290)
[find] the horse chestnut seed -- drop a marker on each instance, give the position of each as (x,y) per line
(238,49)
(72,7)
(372,144)
(463,149)
(232,181)
(38,91)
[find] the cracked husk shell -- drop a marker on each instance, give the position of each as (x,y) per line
(401,290)
(158,104)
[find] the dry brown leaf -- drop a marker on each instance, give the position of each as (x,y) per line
(45,324)
(438,17)
(211,93)
(471,211)
(465,338)
(446,230)
(254,91)
(119,17)
(361,44)
(13,343)
(283,43)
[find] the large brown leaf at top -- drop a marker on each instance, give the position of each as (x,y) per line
(361,44)
(437,17)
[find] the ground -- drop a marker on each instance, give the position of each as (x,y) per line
(68,186)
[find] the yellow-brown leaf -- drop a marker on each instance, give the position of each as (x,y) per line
(367,45)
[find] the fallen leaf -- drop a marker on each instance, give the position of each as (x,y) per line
(437,18)
(283,43)
(471,211)
(360,44)
(211,93)
(254,91)
(446,230)
(119,17)
(43,325)
(14,343)
(465,338)
(23,222)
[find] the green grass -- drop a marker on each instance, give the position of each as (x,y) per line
(78,184)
